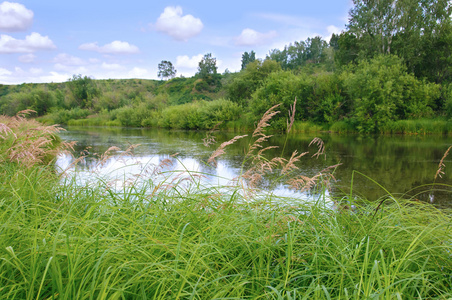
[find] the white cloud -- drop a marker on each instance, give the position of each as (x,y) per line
(137,73)
(27,58)
(54,77)
(115,47)
(71,69)
(332,29)
(35,71)
(111,66)
(251,37)
(4,72)
(14,17)
(68,60)
(185,62)
(177,26)
(32,43)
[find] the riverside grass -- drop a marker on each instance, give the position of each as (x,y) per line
(60,240)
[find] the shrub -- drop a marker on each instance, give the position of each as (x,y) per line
(381,91)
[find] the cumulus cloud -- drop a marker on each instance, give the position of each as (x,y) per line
(137,73)
(185,62)
(332,29)
(32,43)
(14,17)
(27,58)
(54,77)
(107,66)
(180,27)
(251,37)
(35,71)
(4,72)
(71,69)
(115,47)
(69,60)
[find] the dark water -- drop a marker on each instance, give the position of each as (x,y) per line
(401,165)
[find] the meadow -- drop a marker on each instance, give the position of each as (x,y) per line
(169,240)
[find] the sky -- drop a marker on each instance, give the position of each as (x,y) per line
(50,40)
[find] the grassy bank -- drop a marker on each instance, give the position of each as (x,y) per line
(163,240)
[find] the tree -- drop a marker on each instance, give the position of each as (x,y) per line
(83,90)
(166,70)
(207,66)
(315,49)
(247,58)
(298,54)
(417,31)
(239,90)
(381,91)
(291,57)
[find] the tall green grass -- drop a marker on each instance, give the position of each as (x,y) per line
(69,242)
(419,126)
(156,240)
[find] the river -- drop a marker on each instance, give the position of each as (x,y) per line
(401,165)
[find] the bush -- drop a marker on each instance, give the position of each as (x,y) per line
(381,91)
(240,89)
(131,116)
(199,115)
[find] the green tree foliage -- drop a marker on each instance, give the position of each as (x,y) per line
(417,31)
(381,91)
(296,55)
(207,66)
(247,58)
(38,99)
(166,70)
(83,90)
(347,49)
(207,72)
(319,98)
(315,49)
(248,80)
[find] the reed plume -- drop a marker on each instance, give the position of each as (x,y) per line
(291,116)
(441,164)
(220,150)
(263,122)
(28,142)
(210,138)
(320,145)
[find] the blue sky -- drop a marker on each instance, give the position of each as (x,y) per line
(49,41)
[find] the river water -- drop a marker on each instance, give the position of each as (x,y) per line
(370,165)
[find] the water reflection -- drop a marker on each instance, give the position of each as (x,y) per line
(399,164)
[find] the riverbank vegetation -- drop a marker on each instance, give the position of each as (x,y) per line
(388,72)
(182,239)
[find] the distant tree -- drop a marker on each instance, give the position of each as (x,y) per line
(315,49)
(166,70)
(247,58)
(296,55)
(207,66)
(347,49)
(334,41)
(83,90)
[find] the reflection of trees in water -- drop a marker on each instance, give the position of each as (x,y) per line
(398,163)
